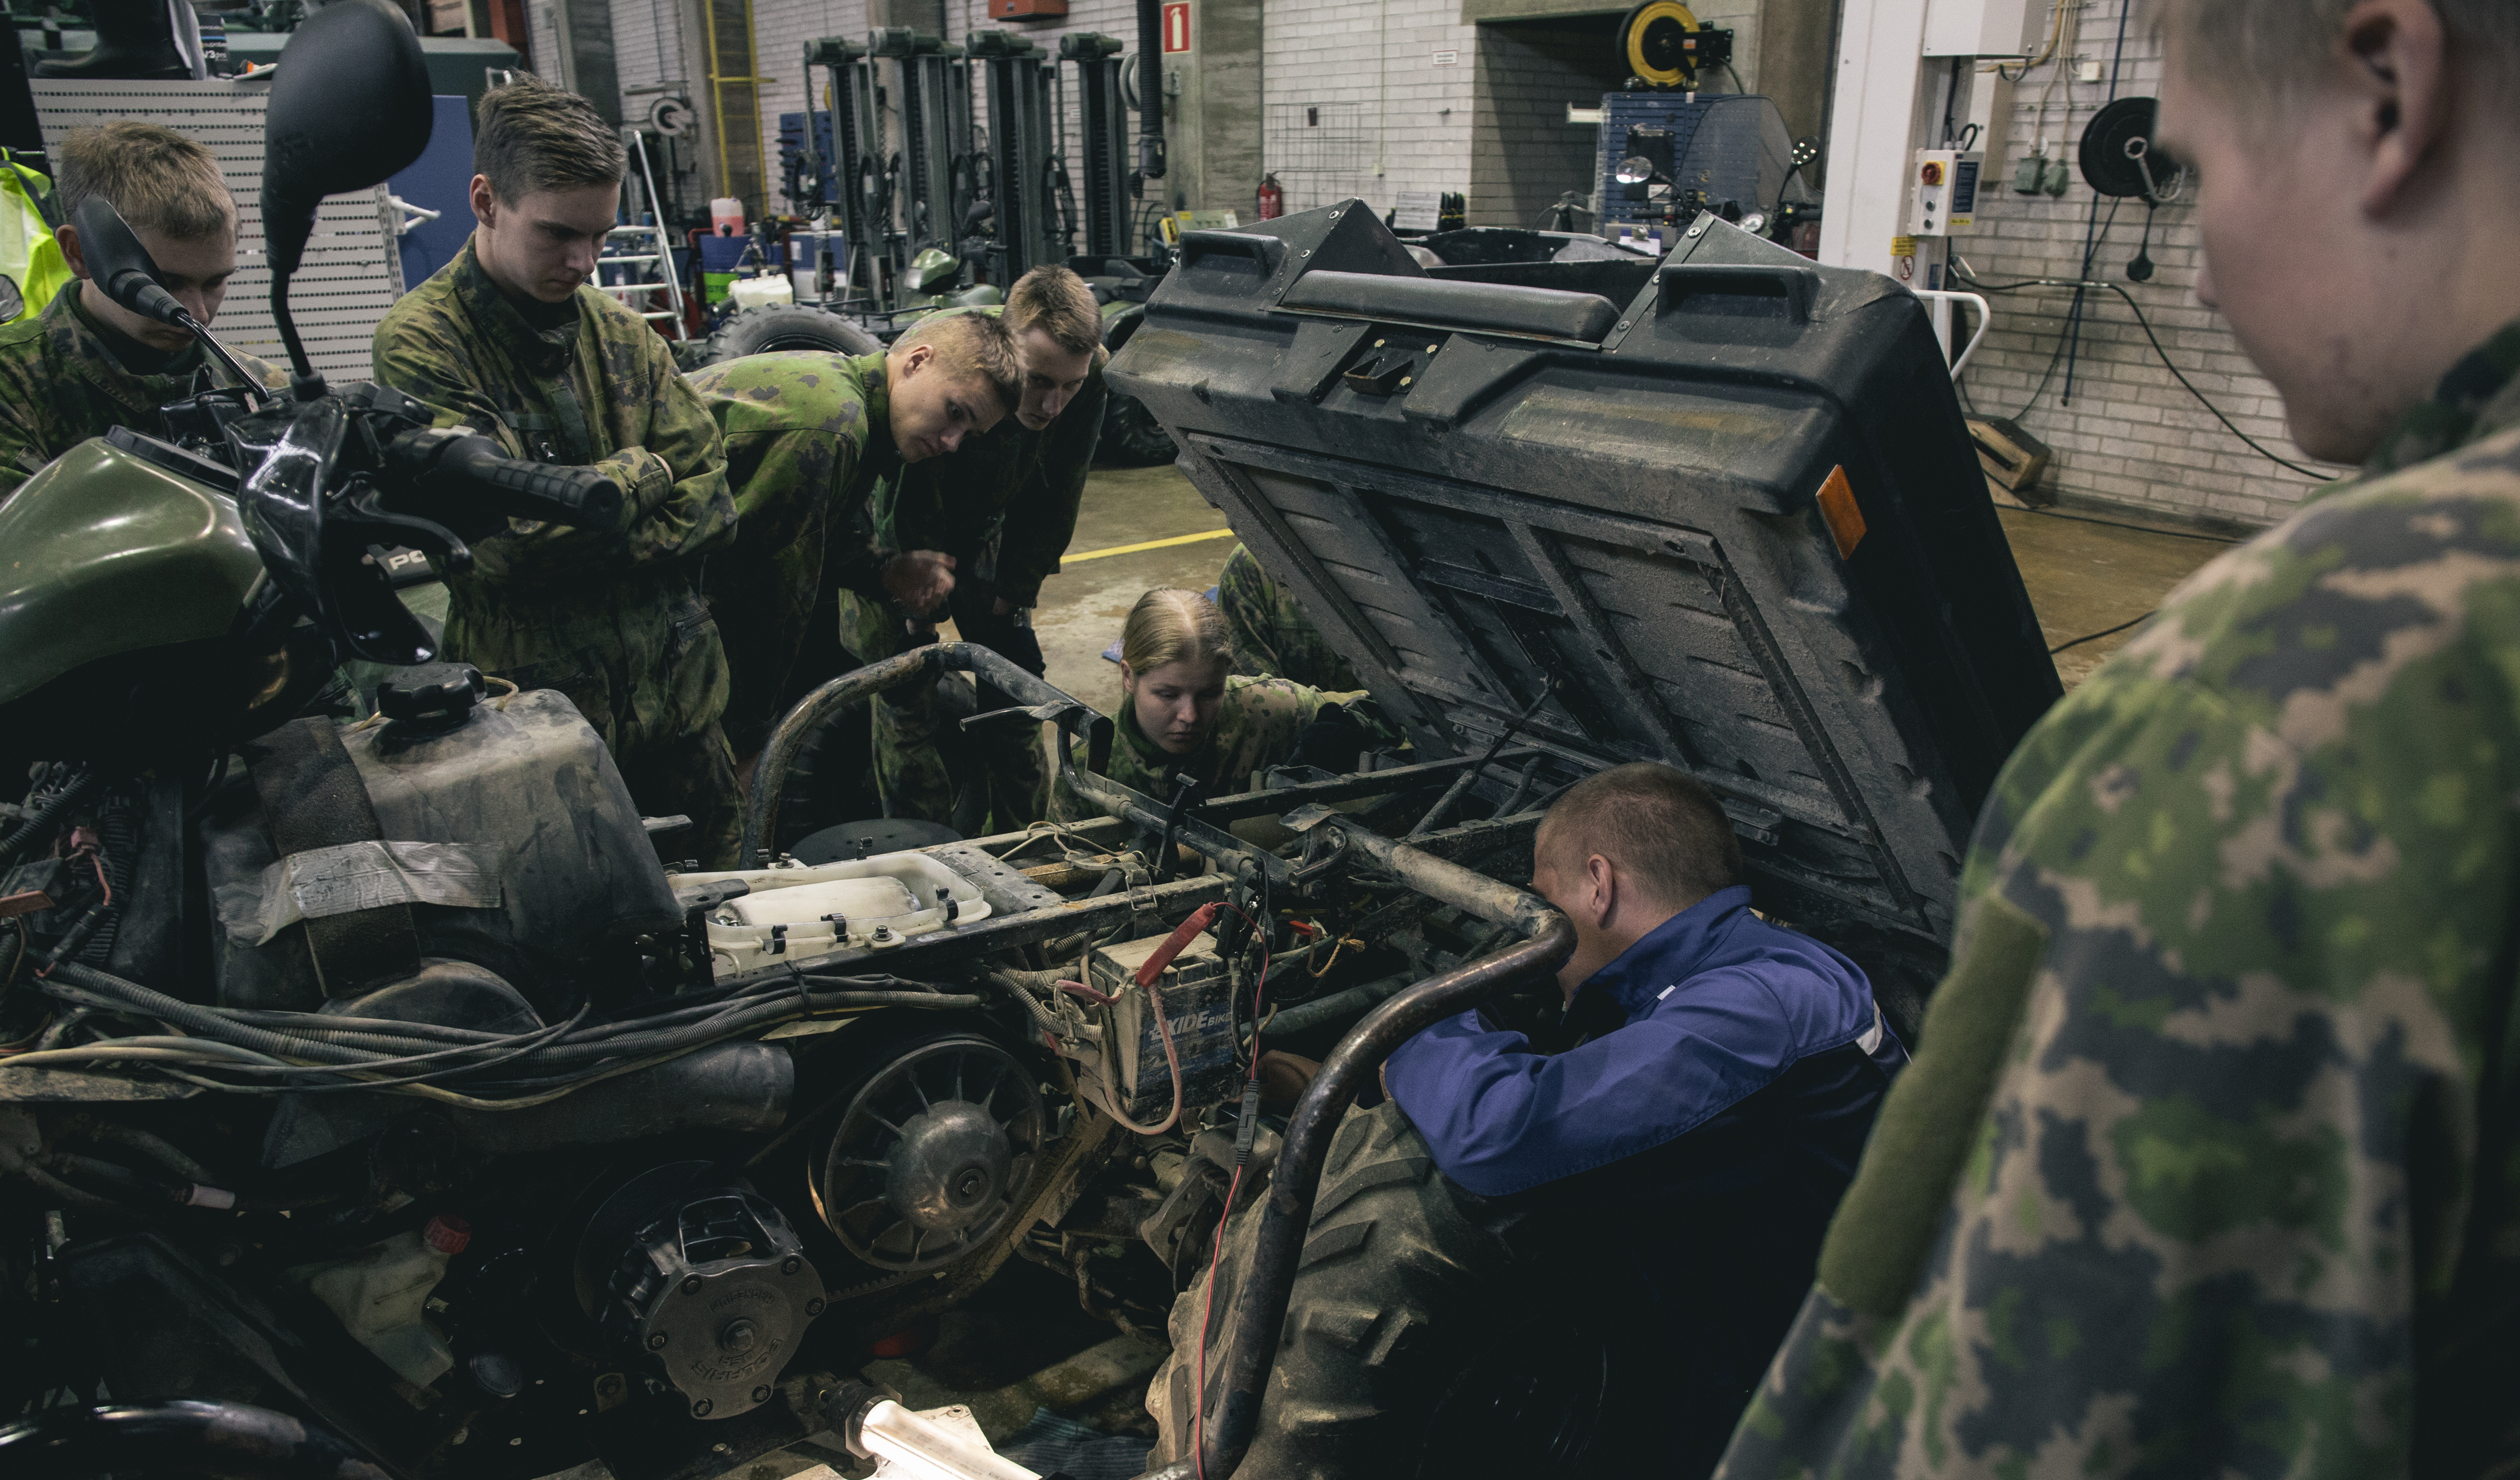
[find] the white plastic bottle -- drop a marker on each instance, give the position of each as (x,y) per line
(379,1293)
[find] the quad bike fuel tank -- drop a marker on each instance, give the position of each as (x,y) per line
(522,794)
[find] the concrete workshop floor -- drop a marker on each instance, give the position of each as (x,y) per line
(2083,576)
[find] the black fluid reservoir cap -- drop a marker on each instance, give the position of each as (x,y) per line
(431,695)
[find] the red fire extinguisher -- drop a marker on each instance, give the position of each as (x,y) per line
(1272,201)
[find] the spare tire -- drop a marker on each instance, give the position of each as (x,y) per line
(789,326)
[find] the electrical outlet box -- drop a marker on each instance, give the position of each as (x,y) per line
(1984,27)
(1943,198)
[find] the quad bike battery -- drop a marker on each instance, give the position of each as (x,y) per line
(1198,1009)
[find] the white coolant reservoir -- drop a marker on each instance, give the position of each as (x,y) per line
(380,1291)
(882,897)
(797,913)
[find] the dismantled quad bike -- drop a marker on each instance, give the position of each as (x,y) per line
(376,1078)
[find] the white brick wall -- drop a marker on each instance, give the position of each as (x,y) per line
(646,49)
(2128,434)
(1379,57)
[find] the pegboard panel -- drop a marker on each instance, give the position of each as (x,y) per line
(351,273)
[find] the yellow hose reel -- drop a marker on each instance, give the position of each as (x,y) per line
(1660,41)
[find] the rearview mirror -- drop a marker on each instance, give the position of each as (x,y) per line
(349,109)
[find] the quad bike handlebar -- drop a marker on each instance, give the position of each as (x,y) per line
(449,462)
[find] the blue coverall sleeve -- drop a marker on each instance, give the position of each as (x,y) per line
(1501,1118)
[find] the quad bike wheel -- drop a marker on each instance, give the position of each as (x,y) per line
(766,331)
(1131,437)
(1416,1342)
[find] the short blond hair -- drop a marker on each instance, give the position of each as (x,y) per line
(971,344)
(1170,625)
(532,137)
(2265,54)
(158,179)
(1061,304)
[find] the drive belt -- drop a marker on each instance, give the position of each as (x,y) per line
(312,798)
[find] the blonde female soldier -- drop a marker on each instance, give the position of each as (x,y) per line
(1184,712)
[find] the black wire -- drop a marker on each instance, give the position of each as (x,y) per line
(2145,323)
(2090,240)
(2093,637)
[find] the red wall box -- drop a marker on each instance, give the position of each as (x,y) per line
(1026,10)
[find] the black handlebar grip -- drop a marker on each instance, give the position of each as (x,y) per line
(562,495)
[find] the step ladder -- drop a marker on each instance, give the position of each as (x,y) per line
(631,248)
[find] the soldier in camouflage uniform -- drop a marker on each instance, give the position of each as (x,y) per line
(1003,509)
(2210,1161)
(808,435)
(1272,636)
(86,363)
(1184,713)
(509,340)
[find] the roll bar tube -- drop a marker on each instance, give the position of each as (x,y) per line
(1260,1307)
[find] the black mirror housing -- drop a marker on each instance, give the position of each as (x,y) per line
(349,109)
(119,264)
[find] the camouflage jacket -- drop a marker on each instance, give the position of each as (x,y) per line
(2209,1162)
(1011,485)
(807,435)
(588,382)
(1255,728)
(1272,636)
(62,382)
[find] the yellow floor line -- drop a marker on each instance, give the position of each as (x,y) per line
(1179,539)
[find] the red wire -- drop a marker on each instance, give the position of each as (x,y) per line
(1216,1252)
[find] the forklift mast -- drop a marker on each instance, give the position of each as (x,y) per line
(1104,120)
(1022,143)
(935,100)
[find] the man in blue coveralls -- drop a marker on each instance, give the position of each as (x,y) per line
(1704,1129)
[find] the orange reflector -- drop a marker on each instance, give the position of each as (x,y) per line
(1837,506)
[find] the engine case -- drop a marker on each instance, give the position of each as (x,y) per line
(708,1277)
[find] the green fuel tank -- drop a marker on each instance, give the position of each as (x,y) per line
(105,552)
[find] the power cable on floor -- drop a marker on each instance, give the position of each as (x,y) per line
(2093,637)
(2085,518)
